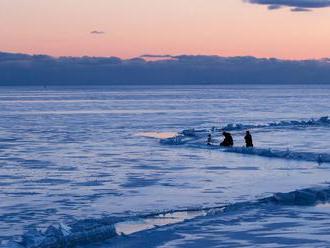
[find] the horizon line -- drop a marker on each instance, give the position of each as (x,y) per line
(153,57)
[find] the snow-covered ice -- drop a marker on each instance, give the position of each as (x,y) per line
(81,166)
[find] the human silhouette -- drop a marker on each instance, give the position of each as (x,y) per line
(209,139)
(248,139)
(228,141)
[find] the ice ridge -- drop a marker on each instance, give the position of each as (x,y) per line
(284,154)
(91,231)
(323,121)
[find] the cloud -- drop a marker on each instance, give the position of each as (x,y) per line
(156,56)
(97,32)
(298,5)
(273,6)
(300,10)
(23,69)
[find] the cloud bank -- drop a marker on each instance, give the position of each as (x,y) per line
(297,5)
(23,69)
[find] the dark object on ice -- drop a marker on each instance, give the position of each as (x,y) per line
(209,139)
(248,139)
(228,141)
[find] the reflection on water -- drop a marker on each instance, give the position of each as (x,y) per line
(157,135)
(130,227)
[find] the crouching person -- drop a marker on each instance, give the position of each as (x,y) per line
(228,140)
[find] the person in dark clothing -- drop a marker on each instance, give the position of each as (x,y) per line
(209,139)
(228,141)
(248,139)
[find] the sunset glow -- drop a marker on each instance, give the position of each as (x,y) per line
(127,28)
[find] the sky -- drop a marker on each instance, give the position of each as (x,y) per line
(289,29)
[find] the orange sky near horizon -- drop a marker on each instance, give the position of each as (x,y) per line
(133,28)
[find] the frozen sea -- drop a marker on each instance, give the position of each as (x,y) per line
(92,157)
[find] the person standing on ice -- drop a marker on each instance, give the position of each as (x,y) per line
(248,139)
(228,141)
(209,139)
